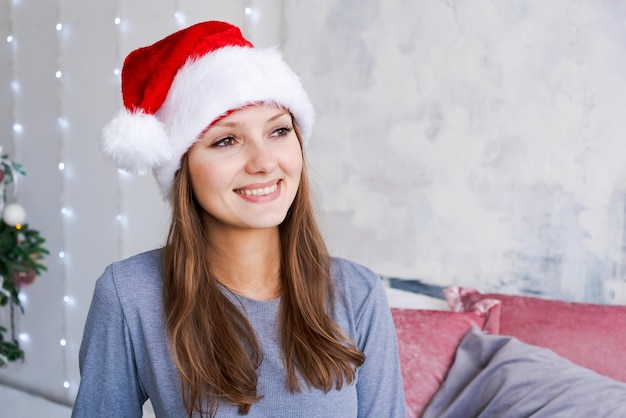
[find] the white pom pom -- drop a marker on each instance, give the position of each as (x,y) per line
(137,142)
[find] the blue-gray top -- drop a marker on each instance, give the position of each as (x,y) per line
(125,355)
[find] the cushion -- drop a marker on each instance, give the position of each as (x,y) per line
(427,341)
(500,376)
(590,335)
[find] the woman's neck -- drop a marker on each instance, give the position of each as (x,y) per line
(247,261)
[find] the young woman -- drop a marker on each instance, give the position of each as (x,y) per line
(243,312)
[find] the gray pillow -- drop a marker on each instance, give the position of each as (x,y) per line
(499,376)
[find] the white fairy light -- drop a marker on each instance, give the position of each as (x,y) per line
(180,18)
(248,10)
(117,20)
(66,384)
(18,128)
(59,26)
(61,254)
(63,123)
(61,166)
(24,337)
(58,74)
(63,342)
(10,38)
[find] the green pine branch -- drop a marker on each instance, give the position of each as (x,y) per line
(21,252)
(9,351)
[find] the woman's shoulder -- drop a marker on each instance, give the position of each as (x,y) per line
(356,279)
(140,265)
(135,277)
(359,296)
(350,270)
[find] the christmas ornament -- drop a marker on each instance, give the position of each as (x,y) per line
(14,214)
(21,251)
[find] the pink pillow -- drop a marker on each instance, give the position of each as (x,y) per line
(427,342)
(590,335)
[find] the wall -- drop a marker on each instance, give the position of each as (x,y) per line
(474,144)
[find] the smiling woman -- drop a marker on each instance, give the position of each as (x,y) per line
(244,311)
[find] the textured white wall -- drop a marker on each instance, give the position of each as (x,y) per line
(478,143)
(457,143)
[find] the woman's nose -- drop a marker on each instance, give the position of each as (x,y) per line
(260,158)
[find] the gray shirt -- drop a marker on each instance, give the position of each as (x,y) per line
(125,354)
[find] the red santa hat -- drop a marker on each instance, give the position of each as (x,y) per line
(172,90)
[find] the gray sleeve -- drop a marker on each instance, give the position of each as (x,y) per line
(109,385)
(379,386)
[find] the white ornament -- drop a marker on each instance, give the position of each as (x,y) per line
(14,214)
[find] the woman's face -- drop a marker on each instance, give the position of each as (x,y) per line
(245,169)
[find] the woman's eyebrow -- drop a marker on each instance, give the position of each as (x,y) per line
(278,115)
(226,124)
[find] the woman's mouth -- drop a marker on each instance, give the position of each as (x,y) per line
(258,192)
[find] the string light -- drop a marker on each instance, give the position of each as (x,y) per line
(180,18)
(19,129)
(120,173)
(23,298)
(63,123)
(63,126)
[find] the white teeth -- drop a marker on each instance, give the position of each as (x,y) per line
(258,192)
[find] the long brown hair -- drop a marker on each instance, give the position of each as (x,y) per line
(214,346)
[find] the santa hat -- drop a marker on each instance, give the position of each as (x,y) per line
(172,90)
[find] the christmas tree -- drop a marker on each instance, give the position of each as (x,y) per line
(21,251)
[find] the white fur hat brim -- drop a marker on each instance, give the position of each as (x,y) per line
(203,90)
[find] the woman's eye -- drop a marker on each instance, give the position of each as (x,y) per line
(224,142)
(284,131)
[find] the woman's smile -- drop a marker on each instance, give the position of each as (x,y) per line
(263,191)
